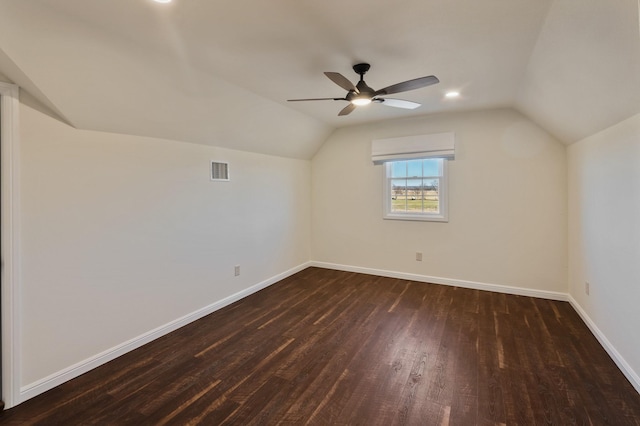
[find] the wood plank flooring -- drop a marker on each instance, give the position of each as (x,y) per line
(325,347)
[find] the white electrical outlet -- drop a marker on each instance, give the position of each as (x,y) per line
(419,256)
(236,270)
(586,287)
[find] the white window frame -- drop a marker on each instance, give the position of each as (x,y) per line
(443,197)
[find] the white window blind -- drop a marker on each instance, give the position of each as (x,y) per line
(437,145)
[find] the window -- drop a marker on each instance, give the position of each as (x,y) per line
(416,190)
(415,175)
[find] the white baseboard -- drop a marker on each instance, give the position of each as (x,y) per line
(497,288)
(622,364)
(55,379)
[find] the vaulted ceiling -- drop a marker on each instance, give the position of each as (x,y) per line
(220,72)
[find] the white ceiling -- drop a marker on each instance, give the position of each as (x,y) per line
(220,72)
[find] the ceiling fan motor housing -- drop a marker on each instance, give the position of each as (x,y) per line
(363,89)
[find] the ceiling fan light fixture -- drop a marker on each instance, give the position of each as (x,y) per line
(361,101)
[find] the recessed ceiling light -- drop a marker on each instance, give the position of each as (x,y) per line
(452,94)
(162,1)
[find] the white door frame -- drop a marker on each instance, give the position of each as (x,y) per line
(9,107)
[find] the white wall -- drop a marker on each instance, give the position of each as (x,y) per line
(507,222)
(604,235)
(123,234)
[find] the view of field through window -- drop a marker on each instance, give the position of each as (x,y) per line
(415,186)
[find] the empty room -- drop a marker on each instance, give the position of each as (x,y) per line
(326,213)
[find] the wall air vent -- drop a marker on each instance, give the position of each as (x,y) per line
(219,171)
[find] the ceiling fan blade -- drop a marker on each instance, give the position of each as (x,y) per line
(416,83)
(316,99)
(341,81)
(347,110)
(397,103)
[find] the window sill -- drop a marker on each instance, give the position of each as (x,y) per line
(416,217)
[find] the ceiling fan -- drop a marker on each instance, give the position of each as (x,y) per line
(362,94)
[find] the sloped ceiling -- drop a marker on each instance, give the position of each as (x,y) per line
(584,73)
(220,72)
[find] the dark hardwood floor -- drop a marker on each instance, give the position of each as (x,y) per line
(325,347)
